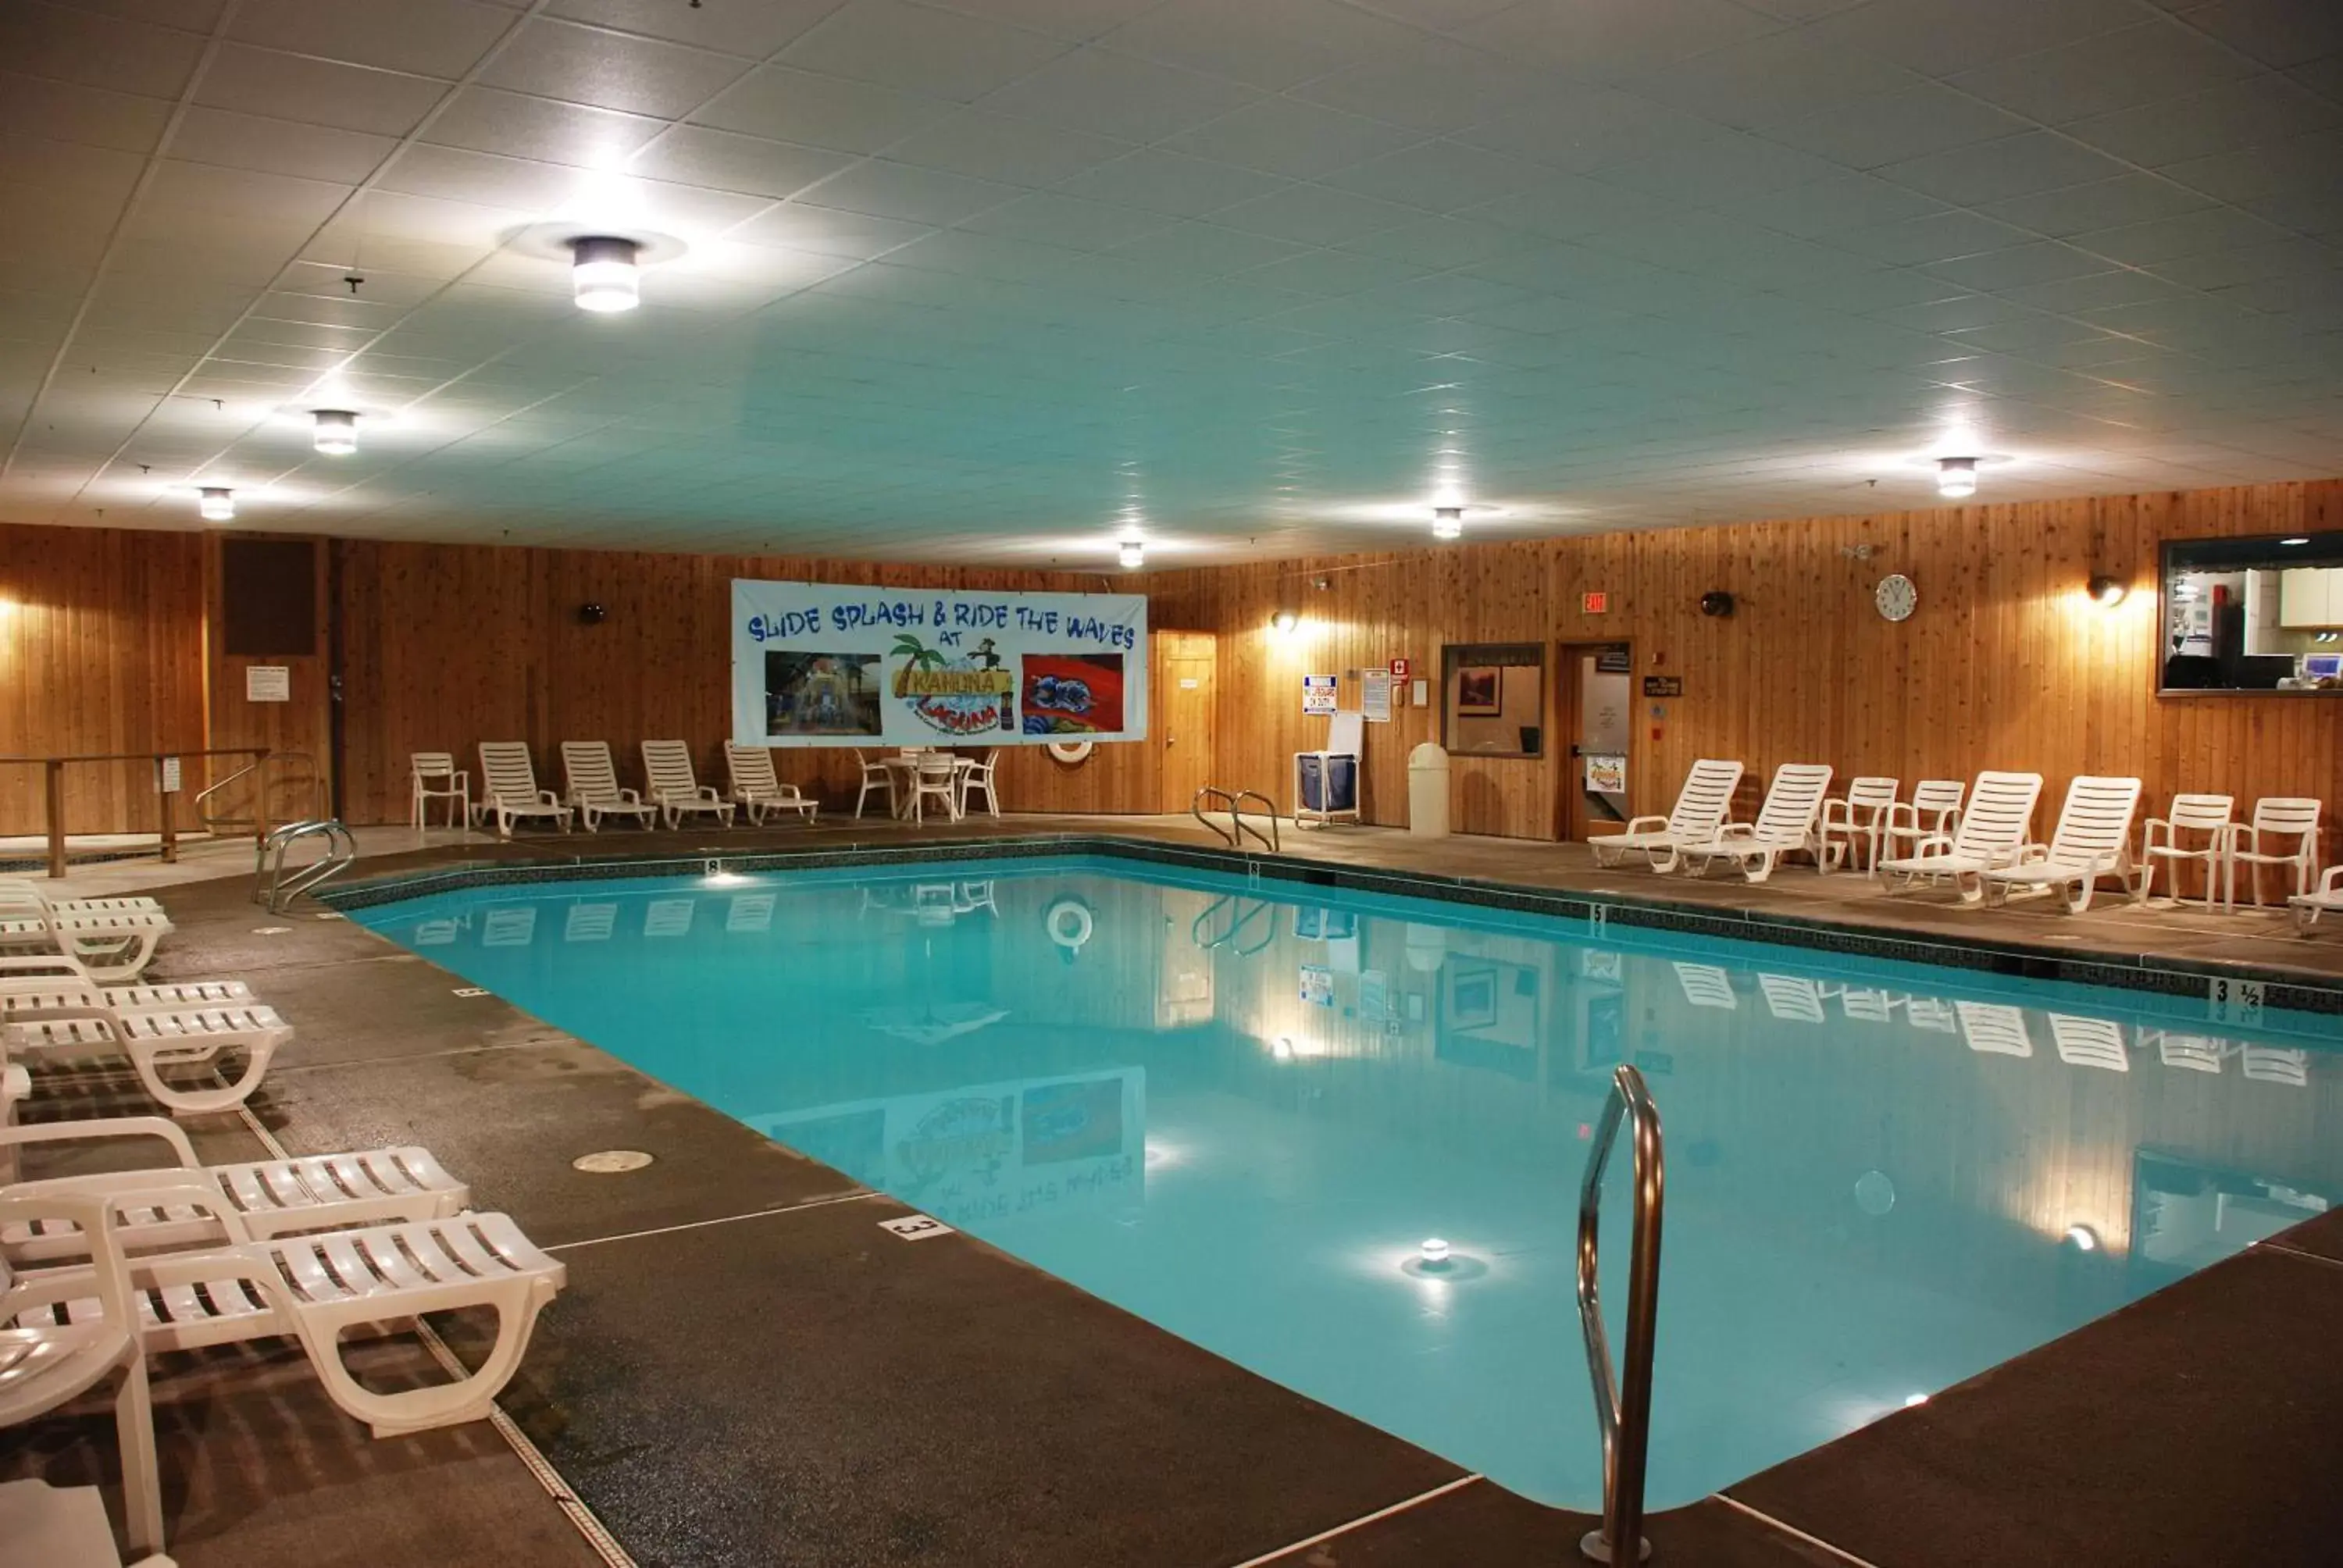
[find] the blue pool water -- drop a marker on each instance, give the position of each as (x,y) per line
(1237,1112)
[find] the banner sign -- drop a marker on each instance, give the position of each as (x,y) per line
(828,664)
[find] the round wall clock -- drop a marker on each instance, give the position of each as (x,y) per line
(1896,597)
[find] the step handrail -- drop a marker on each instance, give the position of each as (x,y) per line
(258,821)
(1623,1403)
(278,890)
(1228,939)
(1233,803)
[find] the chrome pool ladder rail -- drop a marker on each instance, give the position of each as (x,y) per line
(1232,801)
(1622,1400)
(1246,916)
(274,888)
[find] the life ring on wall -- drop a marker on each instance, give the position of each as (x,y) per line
(1070,925)
(1072,752)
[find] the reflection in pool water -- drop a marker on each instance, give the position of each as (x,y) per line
(1242,1111)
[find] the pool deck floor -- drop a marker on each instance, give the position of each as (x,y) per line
(746,1370)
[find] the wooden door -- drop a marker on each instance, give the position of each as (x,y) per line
(1183,705)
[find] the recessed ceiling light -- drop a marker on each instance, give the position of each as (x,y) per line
(215,503)
(337,431)
(1447,522)
(1956,477)
(604,273)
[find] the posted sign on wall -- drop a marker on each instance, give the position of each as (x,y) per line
(820,664)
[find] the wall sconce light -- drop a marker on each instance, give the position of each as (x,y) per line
(215,504)
(1717,604)
(1283,622)
(337,431)
(1956,478)
(2107,591)
(603,273)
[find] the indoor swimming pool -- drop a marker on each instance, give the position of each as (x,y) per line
(1241,1111)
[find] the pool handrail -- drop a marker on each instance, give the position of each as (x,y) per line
(1234,803)
(1623,1403)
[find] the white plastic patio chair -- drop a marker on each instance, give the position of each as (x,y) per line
(44,1364)
(2161,844)
(675,789)
(269,1197)
(315,1288)
(975,776)
(2324,899)
(508,791)
(932,778)
(1697,817)
(62,1016)
(1851,822)
(1933,812)
(594,789)
(2089,1042)
(434,776)
(756,788)
(1784,825)
(1989,834)
(2262,842)
(875,776)
(1994,1028)
(2092,839)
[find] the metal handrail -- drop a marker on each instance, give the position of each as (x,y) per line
(1234,834)
(259,820)
(280,889)
(1228,939)
(54,792)
(1622,1412)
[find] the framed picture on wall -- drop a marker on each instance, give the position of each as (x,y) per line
(1480,690)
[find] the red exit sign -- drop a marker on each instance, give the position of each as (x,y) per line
(1594,603)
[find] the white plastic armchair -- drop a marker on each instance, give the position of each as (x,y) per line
(434,776)
(1933,812)
(2324,899)
(1852,822)
(676,789)
(876,777)
(756,788)
(44,1364)
(509,792)
(2092,839)
(2284,831)
(2162,843)
(594,789)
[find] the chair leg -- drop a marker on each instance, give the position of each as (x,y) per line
(134,1432)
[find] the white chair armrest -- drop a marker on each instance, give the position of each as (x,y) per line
(548,798)
(1642,824)
(1927,842)
(1736,830)
(2329,881)
(106,1127)
(2026,854)
(630,797)
(707,793)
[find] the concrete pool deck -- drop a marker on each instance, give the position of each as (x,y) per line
(946,1403)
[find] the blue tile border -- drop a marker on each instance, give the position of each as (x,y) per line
(2294,989)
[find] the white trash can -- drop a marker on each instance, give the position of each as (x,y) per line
(1427,791)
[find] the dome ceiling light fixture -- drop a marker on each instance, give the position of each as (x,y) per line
(605,273)
(215,504)
(1447,522)
(334,431)
(1957,478)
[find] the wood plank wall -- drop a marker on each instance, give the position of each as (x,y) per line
(100,650)
(448,646)
(2006,664)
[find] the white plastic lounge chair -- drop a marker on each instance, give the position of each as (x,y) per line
(36,972)
(69,1018)
(1991,830)
(758,791)
(1851,823)
(2089,1042)
(1791,999)
(2161,844)
(2323,898)
(44,1364)
(1933,812)
(1786,824)
(1995,1028)
(1705,985)
(976,776)
(593,780)
(2264,842)
(875,776)
(1697,817)
(676,789)
(932,778)
(270,1198)
(2092,839)
(314,1288)
(62,1526)
(434,776)
(2276,1064)
(114,945)
(124,904)
(509,792)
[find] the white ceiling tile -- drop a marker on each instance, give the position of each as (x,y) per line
(825,231)
(1940,37)
(99,177)
(2011,166)
(442,38)
(610,71)
(455,174)
(1729,166)
(2045,261)
(907,193)
(95,51)
(1581,128)
(2276,31)
(694,154)
(1202,250)
(1607,40)
(2271,168)
(207,135)
(2103,204)
(1938,236)
(1015,151)
(1772,78)
(2237,115)
(1873,131)
(518,126)
(1301,141)
(1314,215)
(317,91)
(1115,95)
(2157,60)
(62,111)
(1270,43)
(915,49)
(1440,176)
(1170,183)
(1436,85)
(1049,218)
(819,111)
(752,31)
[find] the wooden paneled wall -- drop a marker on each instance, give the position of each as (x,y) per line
(100,650)
(2006,664)
(448,646)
